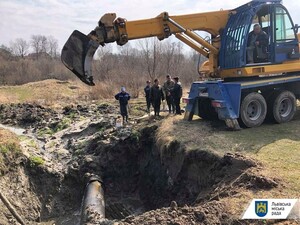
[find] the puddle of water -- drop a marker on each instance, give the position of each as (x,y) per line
(20,131)
(16,130)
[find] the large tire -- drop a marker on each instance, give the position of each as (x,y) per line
(253,110)
(206,110)
(282,106)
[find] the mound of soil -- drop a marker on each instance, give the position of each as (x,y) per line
(25,115)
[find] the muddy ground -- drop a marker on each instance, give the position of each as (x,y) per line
(147,179)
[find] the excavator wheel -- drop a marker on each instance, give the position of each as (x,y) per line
(206,110)
(253,110)
(282,106)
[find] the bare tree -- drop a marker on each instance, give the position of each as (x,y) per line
(104,63)
(168,52)
(131,70)
(39,44)
(179,59)
(36,44)
(151,54)
(20,47)
(52,46)
(44,44)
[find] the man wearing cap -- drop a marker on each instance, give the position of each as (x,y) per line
(147,95)
(177,94)
(156,96)
(167,87)
(123,98)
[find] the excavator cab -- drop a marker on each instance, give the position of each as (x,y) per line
(275,22)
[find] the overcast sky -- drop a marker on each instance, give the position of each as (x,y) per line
(22,18)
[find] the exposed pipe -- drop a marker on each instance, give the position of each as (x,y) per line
(93,201)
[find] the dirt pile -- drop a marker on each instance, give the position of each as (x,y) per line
(210,213)
(25,115)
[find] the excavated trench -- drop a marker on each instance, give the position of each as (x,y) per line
(138,175)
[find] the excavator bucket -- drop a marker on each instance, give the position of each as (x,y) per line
(77,55)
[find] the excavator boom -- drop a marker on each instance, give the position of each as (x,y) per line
(77,53)
(227,52)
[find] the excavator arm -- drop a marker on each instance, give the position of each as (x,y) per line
(77,53)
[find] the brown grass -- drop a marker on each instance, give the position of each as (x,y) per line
(7,137)
(55,93)
(9,149)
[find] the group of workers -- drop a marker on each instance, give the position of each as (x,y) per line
(171,91)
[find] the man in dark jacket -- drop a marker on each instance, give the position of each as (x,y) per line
(123,98)
(156,96)
(177,94)
(167,87)
(147,95)
(257,45)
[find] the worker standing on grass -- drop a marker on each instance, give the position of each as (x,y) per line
(167,87)
(176,93)
(156,96)
(147,90)
(123,98)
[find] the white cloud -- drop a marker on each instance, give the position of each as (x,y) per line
(60,17)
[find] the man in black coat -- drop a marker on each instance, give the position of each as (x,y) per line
(177,94)
(123,98)
(156,96)
(257,45)
(147,95)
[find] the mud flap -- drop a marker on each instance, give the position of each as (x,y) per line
(77,55)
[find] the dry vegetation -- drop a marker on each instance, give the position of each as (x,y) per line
(9,149)
(38,59)
(47,92)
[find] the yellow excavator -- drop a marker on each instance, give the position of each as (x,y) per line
(243,90)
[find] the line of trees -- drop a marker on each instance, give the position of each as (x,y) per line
(26,61)
(39,58)
(39,44)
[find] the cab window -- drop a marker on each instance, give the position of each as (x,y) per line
(284,26)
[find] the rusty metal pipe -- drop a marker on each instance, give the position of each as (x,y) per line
(93,201)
